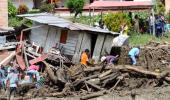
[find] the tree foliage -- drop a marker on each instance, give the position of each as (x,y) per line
(12,10)
(159,7)
(75,6)
(47,7)
(168,16)
(113,21)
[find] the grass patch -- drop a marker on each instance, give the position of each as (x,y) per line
(142,39)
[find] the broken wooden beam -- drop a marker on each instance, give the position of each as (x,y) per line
(92,95)
(50,72)
(94,85)
(39,59)
(75,83)
(21,61)
(105,73)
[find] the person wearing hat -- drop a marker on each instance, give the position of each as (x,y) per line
(12,82)
(133,54)
(85,57)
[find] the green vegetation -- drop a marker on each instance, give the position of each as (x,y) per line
(113,21)
(168,16)
(34,11)
(47,7)
(75,6)
(12,11)
(159,8)
(86,19)
(14,21)
(142,39)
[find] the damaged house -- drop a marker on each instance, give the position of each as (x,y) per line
(71,38)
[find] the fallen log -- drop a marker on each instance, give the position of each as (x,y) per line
(50,72)
(57,94)
(110,79)
(119,79)
(105,73)
(92,95)
(129,68)
(75,83)
(94,85)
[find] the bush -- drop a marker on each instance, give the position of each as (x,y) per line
(47,7)
(113,21)
(22,9)
(34,11)
(15,22)
(168,17)
(12,11)
(159,7)
(75,6)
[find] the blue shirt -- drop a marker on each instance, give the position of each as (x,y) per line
(13,79)
(134,52)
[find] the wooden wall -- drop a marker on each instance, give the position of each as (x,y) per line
(77,41)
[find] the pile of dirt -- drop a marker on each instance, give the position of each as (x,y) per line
(152,56)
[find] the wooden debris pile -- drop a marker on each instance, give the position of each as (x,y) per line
(89,82)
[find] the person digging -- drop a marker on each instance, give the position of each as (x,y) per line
(133,55)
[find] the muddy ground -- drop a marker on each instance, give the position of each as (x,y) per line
(157,93)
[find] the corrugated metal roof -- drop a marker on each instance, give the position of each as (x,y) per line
(108,4)
(52,20)
(5,29)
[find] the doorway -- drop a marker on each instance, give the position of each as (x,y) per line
(93,42)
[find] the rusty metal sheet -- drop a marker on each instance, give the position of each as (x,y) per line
(41,58)
(21,62)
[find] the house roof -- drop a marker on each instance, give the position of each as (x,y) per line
(122,5)
(52,20)
(6,29)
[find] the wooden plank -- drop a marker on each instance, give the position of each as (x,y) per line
(92,95)
(21,61)
(93,85)
(39,59)
(8,47)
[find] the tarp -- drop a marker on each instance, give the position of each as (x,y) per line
(120,40)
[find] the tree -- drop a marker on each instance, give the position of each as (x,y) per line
(159,7)
(12,11)
(75,6)
(113,21)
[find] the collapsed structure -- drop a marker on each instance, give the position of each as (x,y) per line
(72,38)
